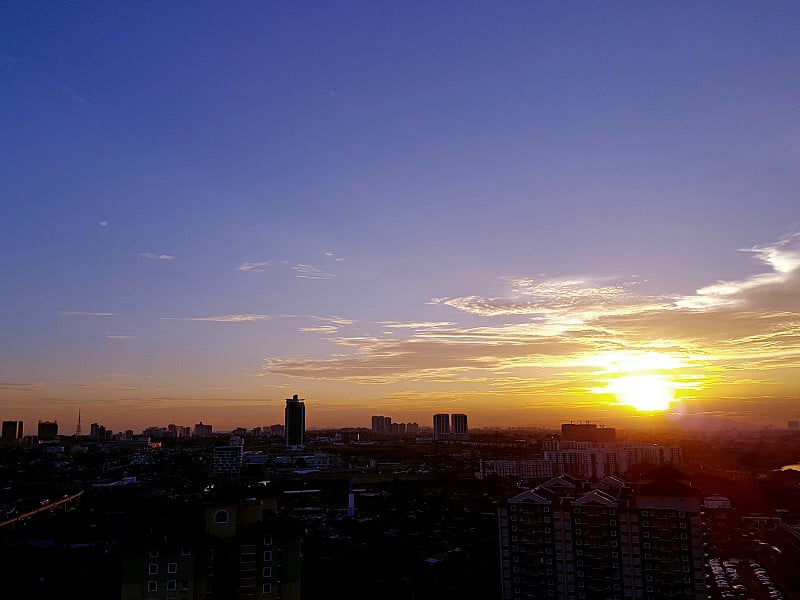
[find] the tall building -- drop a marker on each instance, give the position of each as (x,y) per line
(568,539)
(201,430)
(295,422)
(12,431)
(441,426)
(381,424)
(458,422)
(587,432)
(47,430)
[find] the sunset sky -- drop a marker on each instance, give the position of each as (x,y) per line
(529,212)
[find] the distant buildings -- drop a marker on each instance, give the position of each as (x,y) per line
(587,432)
(596,460)
(383,426)
(201,430)
(295,423)
(568,539)
(11,432)
(442,430)
(47,430)
(794,425)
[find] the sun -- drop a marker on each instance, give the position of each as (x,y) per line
(646,392)
(642,380)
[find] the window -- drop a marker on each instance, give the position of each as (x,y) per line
(172,585)
(266,588)
(186,550)
(645,513)
(172,567)
(154,553)
(268,539)
(267,555)
(152,569)
(268,571)
(685,569)
(152,586)
(221,517)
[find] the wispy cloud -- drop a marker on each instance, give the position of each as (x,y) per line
(239,318)
(152,256)
(103,223)
(80,313)
(20,387)
(724,337)
(254,267)
(119,337)
(311,272)
(319,329)
(415,324)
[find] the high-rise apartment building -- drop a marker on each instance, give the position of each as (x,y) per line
(11,432)
(47,430)
(201,430)
(441,426)
(458,424)
(569,539)
(381,424)
(295,422)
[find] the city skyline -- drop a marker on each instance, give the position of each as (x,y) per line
(529,214)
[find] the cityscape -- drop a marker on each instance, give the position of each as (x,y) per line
(279,511)
(400,300)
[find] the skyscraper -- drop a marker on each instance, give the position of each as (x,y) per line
(295,422)
(12,431)
(459,424)
(441,426)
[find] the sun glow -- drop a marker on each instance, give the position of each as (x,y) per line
(643,392)
(645,381)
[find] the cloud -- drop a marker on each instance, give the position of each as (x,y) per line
(329,253)
(103,223)
(254,267)
(561,339)
(415,325)
(319,329)
(311,272)
(157,256)
(240,318)
(339,259)
(80,313)
(21,387)
(119,337)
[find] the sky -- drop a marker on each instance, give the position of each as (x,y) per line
(530,212)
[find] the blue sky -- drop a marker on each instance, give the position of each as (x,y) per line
(331,167)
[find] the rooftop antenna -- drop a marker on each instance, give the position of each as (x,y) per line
(78,426)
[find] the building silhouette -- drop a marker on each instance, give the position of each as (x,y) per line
(11,432)
(295,422)
(441,426)
(47,430)
(458,424)
(569,539)
(381,424)
(587,432)
(201,430)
